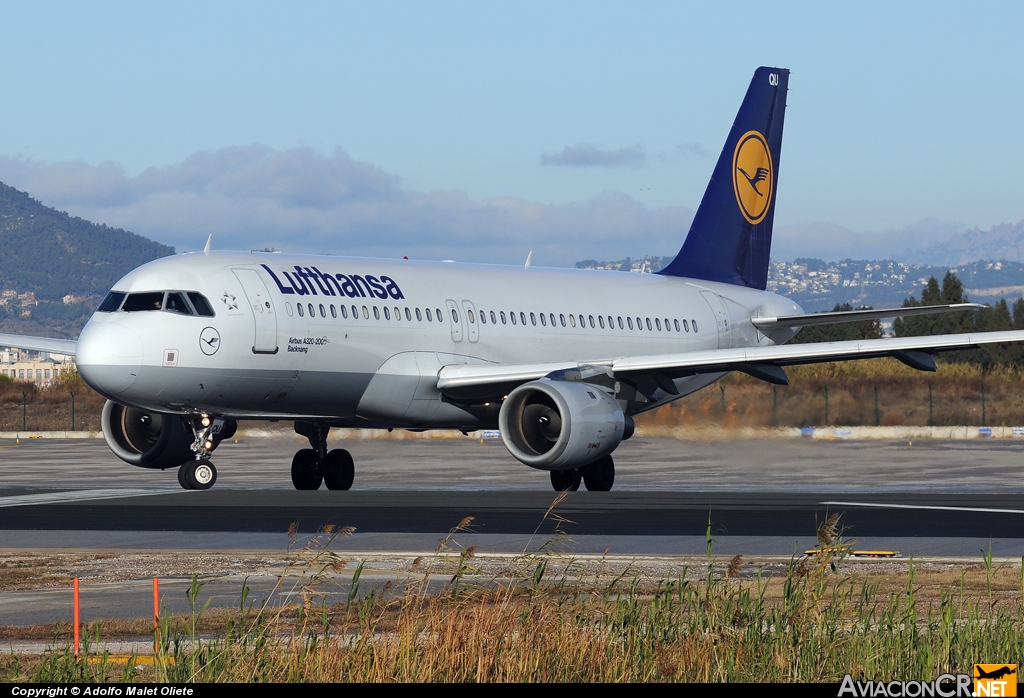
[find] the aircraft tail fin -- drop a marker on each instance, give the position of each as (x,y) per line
(731,235)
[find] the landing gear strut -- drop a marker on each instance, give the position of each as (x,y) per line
(313,466)
(199,474)
(599,476)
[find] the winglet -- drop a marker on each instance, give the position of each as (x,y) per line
(209,241)
(529,257)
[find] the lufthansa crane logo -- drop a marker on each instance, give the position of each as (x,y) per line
(753,176)
(209,341)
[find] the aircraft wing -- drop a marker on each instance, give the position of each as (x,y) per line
(770,323)
(54,346)
(493,381)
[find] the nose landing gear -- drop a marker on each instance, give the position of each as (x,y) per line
(197,475)
(313,466)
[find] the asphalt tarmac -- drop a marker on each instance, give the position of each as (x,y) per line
(769,495)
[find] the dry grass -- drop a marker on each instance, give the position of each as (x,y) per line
(903,398)
(546,618)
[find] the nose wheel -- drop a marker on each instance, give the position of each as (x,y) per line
(312,467)
(197,475)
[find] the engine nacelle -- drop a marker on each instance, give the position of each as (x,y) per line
(560,425)
(146,439)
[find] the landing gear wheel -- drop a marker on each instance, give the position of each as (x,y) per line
(183,477)
(306,474)
(565,480)
(197,475)
(600,475)
(339,470)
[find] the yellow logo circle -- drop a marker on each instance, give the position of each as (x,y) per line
(753,176)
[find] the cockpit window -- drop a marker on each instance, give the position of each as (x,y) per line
(112,302)
(200,303)
(176,303)
(143,301)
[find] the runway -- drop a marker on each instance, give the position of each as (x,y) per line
(760,496)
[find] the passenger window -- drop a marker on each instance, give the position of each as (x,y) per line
(419,315)
(551,317)
(629,321)
(366,313)
(611,323)
(561,318)
(408,315)
(472,317)
(522,317)
(483,318)
(676,322)
(201,305)
(376,313)
(639,324)
(620,323)
(334,312)
(344,313)
(137,302)
(667,328)
(600,321)
(323,313)
(288,309)
(455,316)
(398,313)
(302,313)
(533,319)
(312,313)
(176,303)
(657,323)
(429,318)
(437,314)
(513,316)
(494,320)
(543,320)
(694,323)
(112,302)
(583,322)
(502,317)
(592,325)
(572,320)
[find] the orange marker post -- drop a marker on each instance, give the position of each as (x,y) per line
(156,615)
(78,635)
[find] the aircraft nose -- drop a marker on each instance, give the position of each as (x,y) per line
(109,357)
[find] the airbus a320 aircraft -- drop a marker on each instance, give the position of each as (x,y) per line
(559,360)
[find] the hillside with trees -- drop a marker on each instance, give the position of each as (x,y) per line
(59,266)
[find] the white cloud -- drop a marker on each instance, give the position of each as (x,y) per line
(591,155)
(304,201)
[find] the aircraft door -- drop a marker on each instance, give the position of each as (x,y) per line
(721,317)
(472,325)
(455,318)
(265,339)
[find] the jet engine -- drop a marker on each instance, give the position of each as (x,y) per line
(146,439)
(559,425)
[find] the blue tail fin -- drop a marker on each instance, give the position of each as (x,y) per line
(731,236)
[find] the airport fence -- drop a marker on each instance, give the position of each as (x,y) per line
(868,393)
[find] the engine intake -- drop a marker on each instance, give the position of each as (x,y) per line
(146,439)
(560,425)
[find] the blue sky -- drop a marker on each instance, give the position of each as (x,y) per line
(482,130)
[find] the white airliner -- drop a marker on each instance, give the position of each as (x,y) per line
(559,360)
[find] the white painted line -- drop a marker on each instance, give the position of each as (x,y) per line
(25,500)
(922,506)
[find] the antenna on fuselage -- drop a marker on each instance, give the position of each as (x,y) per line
(528,258)
(209,241)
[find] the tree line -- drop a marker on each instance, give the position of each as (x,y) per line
(997,317)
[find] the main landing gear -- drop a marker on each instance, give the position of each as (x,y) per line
(313,466)
(199,474)
(598,477)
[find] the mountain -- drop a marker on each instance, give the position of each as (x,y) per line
(1003,241)
(54,268)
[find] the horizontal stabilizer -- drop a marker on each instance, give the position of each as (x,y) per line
(770,323)
(53,346)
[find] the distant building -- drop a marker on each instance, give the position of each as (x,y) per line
(42,369)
